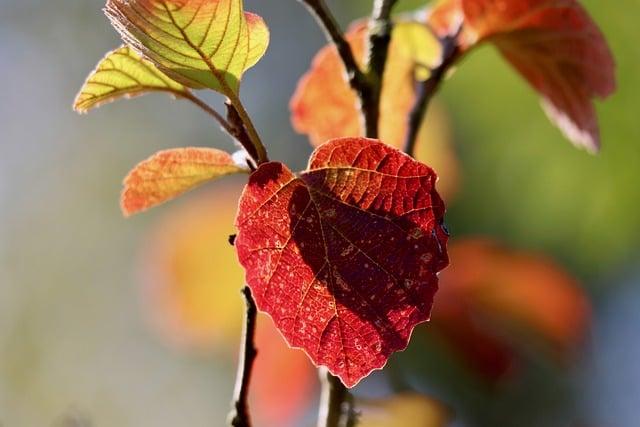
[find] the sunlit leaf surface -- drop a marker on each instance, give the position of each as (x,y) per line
(344,257)
(123,73)
(200,43)
(326,111)
(556,47)
(168,174)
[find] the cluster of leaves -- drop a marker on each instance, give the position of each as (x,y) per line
(343,256)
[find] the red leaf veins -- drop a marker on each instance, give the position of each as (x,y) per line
(344,256)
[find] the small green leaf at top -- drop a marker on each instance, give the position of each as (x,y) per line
(200,43)
(123,74)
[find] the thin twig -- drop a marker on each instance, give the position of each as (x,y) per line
(358,80)
(380,28)
(326,20)
(332,401)
(258,147)
(226,126)
(232,125)
(428,88)
(239,416)
(241,135)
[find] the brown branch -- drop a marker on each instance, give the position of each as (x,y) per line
(329,25)
(358,80)
(224,124)
(239,416)
(232,125)
(380,28)
(428,88)
(336,401)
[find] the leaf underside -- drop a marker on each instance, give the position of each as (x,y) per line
(344,257)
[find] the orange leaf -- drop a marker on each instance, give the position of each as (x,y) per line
(327,111)
(491,299)
(168,174)
(556,47)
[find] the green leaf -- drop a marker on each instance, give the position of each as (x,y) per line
(123,73)
(200,43)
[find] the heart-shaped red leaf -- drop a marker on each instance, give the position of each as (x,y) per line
(344,257)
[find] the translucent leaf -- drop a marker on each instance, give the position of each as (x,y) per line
(200,43)
(344,257)
(556,47)
(327,111)
(168,174)
(122,73)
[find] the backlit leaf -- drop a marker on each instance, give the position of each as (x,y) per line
(327,111)
(123,73)
(200,43)
(494,301)
(556,47)
(344,257)
(168,174)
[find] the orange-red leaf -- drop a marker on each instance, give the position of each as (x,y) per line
(344,257)
(556,47)
(168,174)
(494,300)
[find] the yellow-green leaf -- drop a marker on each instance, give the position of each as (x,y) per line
(200,43)
(123,73)
(170,173)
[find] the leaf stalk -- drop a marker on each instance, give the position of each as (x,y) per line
(428,88)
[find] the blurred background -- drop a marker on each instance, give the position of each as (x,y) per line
(106,321)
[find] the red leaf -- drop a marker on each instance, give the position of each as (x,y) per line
(554,44)
(344,257)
